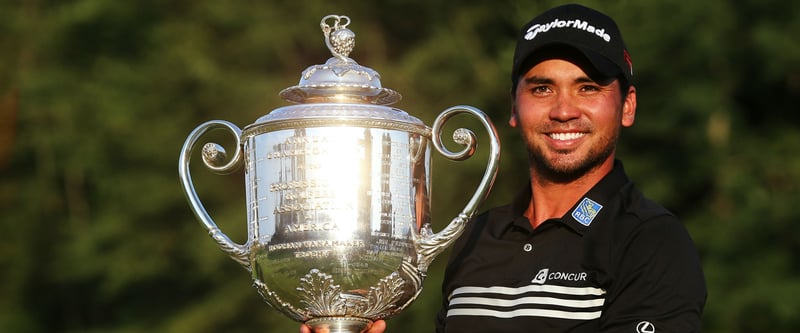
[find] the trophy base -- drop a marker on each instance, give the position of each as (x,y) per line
(339,324)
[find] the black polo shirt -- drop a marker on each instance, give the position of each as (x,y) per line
(616,262)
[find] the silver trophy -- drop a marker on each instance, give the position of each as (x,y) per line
(338,193)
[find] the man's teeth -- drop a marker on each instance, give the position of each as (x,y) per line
(565,136)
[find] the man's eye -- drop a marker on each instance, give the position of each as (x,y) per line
(540,89)
(590,88)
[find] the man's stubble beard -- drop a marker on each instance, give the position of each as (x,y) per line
(561,172)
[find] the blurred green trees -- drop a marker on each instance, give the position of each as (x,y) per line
(96,98)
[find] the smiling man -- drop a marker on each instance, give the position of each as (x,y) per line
(580,249)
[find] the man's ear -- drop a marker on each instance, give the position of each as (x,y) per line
(629,107)
(513,121)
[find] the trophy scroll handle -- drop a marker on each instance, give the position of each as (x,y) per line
(213,157)
(429,244)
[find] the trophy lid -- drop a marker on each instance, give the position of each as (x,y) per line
(340,79)
(338,92)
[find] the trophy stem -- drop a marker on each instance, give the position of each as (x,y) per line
(339,324)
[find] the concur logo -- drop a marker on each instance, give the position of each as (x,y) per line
(545,274)
(541,277)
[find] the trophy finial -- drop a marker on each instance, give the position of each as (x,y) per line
(338,38)
(340,79)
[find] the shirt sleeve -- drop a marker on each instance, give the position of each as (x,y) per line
(653,278)
(454,262)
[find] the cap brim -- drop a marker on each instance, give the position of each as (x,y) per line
(605,67)
(598,67)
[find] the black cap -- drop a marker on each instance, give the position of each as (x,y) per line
(592,33)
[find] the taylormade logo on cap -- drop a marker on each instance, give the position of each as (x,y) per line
(574,24)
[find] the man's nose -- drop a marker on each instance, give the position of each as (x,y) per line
(564,108)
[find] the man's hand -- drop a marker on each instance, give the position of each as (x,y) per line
(379,326)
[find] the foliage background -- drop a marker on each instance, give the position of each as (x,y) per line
(96,98)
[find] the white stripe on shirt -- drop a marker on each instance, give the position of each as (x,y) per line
(527,300)
(489,301)
(530,288)
(525,313)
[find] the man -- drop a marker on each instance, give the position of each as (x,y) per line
(579,249)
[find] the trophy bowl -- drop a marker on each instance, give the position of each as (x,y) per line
(338,193)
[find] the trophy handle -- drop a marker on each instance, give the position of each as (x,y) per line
(429,244)
(213,157)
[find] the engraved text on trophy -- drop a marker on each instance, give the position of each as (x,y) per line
(343,199)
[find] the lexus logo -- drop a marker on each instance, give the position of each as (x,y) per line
(645,327)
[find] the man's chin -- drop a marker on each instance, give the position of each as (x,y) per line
(556,172)
(564,169)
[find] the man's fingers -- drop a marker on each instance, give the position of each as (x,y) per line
(379,326)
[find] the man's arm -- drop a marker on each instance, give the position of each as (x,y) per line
(656,282)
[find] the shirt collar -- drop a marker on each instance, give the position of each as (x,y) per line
(588,210)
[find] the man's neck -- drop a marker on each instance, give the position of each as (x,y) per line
(553,199)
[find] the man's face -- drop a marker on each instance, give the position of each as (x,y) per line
(569,122)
